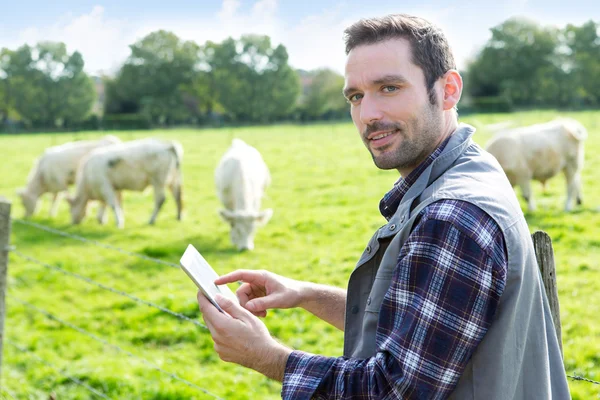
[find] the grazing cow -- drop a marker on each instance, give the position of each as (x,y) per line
(55,170)
(241,179)
(133,165)
(539,152)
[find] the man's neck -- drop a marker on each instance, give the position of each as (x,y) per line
(450,125)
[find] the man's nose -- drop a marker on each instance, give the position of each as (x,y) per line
(369,110)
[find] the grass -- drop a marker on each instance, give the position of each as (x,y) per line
(325,196)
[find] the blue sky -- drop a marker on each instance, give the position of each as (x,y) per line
(311,30)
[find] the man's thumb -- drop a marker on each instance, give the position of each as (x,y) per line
(230,307)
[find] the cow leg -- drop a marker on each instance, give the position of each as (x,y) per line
(101,216)
(159,200)
(56,197)
(111,199)
(525,185)
(573,178)
(177,190)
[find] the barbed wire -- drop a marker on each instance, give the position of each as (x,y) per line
(150,304)
(110,289)
(581,378)
(114,346)
(94,242)
(8,392)
(71,378)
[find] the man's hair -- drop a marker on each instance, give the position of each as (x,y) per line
(430,49)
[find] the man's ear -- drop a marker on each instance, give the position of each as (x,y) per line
(227,215)
(264,216)
(453,86)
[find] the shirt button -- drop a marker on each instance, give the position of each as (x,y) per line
(402,219)
(368,249)
(369,301)
(392,227)
(354,309)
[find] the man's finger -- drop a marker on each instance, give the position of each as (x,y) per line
(232,308)
(244,275)
(244,293)
(207,308)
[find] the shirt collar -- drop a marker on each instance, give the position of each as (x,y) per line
(389,203)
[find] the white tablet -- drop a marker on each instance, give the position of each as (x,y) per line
(199,271)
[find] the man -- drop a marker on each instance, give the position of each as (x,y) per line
(446,300)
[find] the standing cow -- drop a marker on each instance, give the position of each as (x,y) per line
(241,179)
(133,165)
(54,171)
(539,152)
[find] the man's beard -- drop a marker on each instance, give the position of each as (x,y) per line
(411,150)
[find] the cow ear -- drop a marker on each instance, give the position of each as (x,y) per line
(21,192)
(578,132)
(264,216)
(227,215)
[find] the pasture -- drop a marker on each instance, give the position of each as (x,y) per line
(325,196)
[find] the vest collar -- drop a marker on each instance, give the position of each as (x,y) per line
(458,143)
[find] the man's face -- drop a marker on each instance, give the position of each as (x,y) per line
(390,105)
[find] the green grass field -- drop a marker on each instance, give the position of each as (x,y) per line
(325,196)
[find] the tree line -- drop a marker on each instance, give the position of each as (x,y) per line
(526,65)
(168,81)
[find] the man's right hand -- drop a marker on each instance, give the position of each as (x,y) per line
(262,290)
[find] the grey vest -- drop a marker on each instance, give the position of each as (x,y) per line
(519,357)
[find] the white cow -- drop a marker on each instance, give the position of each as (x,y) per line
(55,170)
(133,165)
(540,152)
(241,179)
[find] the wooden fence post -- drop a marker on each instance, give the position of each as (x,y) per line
(545,258)
(4,241)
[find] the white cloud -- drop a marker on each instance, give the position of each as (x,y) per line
(229,8)
(312,42)
(102,41)
(316,41)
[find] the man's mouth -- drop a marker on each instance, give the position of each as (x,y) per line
(381,136)
(381,139)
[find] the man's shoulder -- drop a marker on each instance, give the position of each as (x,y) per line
(467,218)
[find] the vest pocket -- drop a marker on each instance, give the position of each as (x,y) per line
(380,288)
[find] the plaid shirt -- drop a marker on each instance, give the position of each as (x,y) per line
(442,299)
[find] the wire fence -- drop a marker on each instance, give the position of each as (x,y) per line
(102,286)
(114,346)
(59,371)
(120,293)
(110,289)
(6,394)
(93,242)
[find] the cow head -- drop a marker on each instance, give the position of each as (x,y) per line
(29,201)
(243,225)
(78,209)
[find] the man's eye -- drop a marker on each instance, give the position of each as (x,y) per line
(389,89)
(354,98)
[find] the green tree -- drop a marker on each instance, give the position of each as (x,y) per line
(584,45)
(517,63)
(252,80)
(5,98)
(46,85)
(156,79)
(322,96)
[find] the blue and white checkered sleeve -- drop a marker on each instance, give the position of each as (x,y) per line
(303,375)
